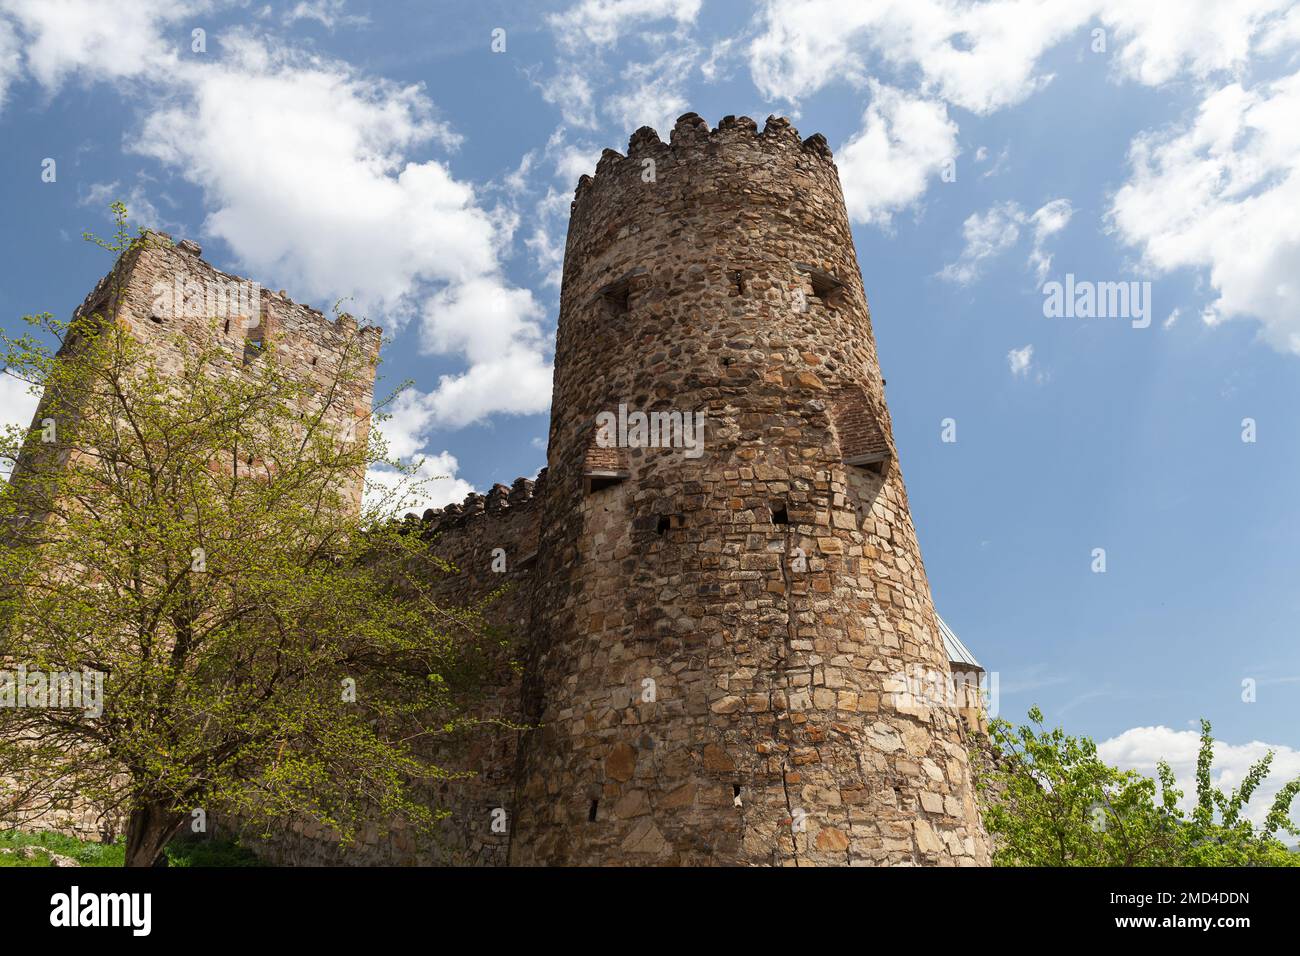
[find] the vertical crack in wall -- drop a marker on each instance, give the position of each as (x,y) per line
(791,632)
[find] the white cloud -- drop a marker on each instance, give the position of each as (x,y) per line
(1158,39)
(433,485)
(98,39)
(639,93)
(339,209)
(335,208)
(573,160)
(886,166)
(571,92)
(1141,747)
(600,23)
(406,435)
(987,235)
(140,208)
(655,93)
(1208,195)
(17,406)
(515,381)
(992,233)
(980,56)
(1021,360)
(10,59)
(984,56)
(1047,221)
(328,13)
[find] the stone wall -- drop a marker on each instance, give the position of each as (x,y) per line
(713,645)
(467,536)
(175,303)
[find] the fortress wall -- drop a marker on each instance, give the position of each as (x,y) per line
(465,535)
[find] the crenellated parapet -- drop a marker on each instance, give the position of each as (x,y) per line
(736,139)
(500,501)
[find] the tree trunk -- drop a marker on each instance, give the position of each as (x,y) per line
(148,829)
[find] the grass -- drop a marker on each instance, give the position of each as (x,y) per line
(211,853)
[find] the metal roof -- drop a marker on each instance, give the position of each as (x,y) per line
(957,652)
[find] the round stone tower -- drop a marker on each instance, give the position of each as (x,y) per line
(730,604)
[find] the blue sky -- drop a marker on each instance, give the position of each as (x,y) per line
(384,152)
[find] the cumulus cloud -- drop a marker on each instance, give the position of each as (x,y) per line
(1207,196)
(345,206)
(406,433)
(984,56)
(433,485)
(885,167)
(1159,39)
(980,56)
(97,40)
(340,209)
(1140,748)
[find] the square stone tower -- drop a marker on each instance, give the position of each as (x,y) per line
(167,297)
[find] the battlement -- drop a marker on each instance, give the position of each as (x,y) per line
(167,281)
(691,137)
(499,500)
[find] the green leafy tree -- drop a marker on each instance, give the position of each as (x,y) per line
(267,650)
(1051,801)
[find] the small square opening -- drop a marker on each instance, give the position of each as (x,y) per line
(600,481)
(617,298)
(779,513)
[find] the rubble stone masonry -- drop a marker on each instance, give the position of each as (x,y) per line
(766,593)
(712,643)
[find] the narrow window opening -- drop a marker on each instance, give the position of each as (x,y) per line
(668,522)
(735,789)
(737,282)
(617,298)
(226,327)
(255,341)
(779,513)
(591,814)
(826,289)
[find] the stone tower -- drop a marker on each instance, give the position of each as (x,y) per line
(720,632)
(169,298)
